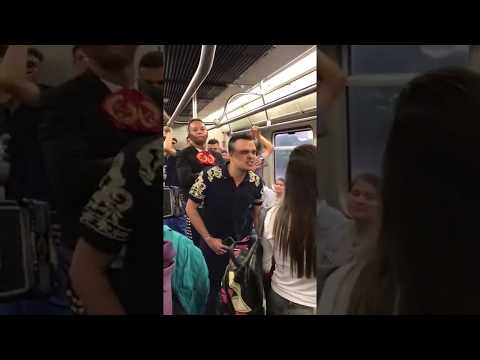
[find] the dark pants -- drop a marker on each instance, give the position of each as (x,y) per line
(177,224)
(279,306)
(217,265)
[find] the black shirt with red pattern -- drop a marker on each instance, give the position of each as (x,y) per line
(191,162)
(124,219)
(85,126)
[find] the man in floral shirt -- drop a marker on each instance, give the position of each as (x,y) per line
(230,196)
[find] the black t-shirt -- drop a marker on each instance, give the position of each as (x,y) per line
(226,208)
(84,128)
(171,170)
(189,167)
(126,212)
(28,176)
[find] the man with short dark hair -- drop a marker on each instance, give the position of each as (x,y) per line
(192,161)
(196,157)
(151,69)
(79,60)
(214,146)
(34,61)
(230,197)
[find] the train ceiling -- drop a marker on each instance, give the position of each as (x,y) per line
(231,61)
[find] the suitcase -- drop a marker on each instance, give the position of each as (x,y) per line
(28,257)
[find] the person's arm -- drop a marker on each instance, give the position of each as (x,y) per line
(186,176)
(91,283)
(13,80)
(332,81)
(105,229)
(168,147)
(258,201)
(213,243)
(267,145)
(256,216)
(266,241)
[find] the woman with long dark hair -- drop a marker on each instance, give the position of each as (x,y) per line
(290,229)
(428,246)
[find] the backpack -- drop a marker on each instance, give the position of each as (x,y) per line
(241,291)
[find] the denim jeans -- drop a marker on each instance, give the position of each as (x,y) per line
(178,224)
(277,305)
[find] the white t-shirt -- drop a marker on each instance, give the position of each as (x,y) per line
(301,291)
(270,198)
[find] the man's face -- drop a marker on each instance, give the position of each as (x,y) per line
(225,155)
(80,61)
(198,133)
(33,68)
(152,76)
(244,155)
(214,148)
(111,57)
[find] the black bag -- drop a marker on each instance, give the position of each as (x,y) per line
(241,291)
(173,204)
(28,257)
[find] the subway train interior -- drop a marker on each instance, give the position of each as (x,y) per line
(293,179)
(270,88)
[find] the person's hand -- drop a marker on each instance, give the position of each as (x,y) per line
(217,246)
(167,130)
(255,132)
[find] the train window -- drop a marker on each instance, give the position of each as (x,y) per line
(385,59)
(371,117)
(284,144)
(378,72)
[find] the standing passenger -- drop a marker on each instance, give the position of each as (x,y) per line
(230,196)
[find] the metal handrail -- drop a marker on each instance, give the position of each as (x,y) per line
(286,99)
(207,58)
(292,122)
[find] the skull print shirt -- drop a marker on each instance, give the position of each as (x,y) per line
(126,213)
(86,124)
